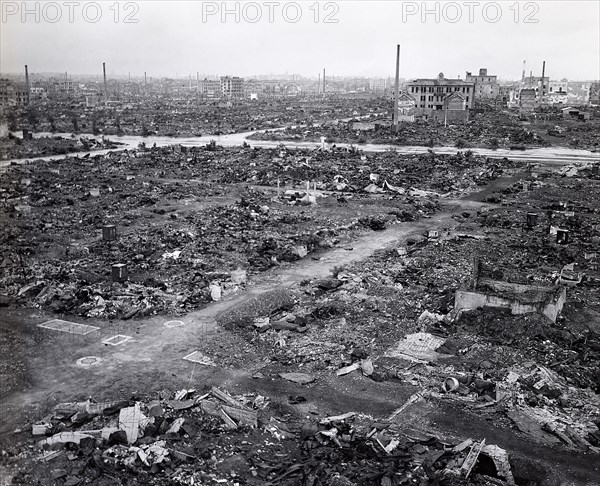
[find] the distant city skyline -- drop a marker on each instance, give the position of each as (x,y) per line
(177,39)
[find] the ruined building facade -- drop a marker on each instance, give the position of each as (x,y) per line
(486,85)
(594,96)
(442,99)
(232,87)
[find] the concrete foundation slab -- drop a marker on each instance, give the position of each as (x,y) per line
(117,340)
(69,327)
(198,357)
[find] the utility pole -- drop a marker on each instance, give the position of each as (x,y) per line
(323,82)
(397,87)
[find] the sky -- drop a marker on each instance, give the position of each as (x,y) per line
(346,37)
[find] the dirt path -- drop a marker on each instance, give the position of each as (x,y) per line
(153,359)
(155,347)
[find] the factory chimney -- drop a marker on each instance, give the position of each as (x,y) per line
(27,84)
(397,87)
(105,85)
(543,85)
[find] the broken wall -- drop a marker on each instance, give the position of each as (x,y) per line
(524,299)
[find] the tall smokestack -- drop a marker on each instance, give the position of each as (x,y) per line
(397,87)
(27,83)
(543,72)
(319,84)
(144,79)
(323,82)
(105,85)
(523,74)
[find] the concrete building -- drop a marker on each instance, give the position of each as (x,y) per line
(66,87)
(558,92)
(12,94)
(232,87)
(92,101)
(378,85)
(37,93)
(3,129)
(527,100)
(504,94)
(536,83)
(442,99)
(486,85)
(520,299)
(594,96)
(209,88)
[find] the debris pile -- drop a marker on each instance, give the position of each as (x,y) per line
(190,438)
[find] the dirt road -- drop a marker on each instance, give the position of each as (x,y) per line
(153,360)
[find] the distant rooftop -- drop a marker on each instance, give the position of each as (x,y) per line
(440,81)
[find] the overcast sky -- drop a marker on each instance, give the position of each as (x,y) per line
(181,38)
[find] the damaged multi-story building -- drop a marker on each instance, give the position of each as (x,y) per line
(442,99)
(378,84)
(209,88)
(486,85)
(12,94)
(232,87)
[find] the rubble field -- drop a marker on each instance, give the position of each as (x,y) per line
(166,116)
(245,346)
(14,147)
(490,129)
(189,226)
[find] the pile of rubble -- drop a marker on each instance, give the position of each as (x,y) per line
(490,129)
(172,116)
(215,438)
(180,240)
(14,147)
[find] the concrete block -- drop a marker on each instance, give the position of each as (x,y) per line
(109,232)
(119,272)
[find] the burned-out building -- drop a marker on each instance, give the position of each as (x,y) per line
(442,99)
(527,100)
(209,88)
(232,87)
(539,84)
(12,94)
(558,92)
(594,96)
(486,85)
(378,84)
